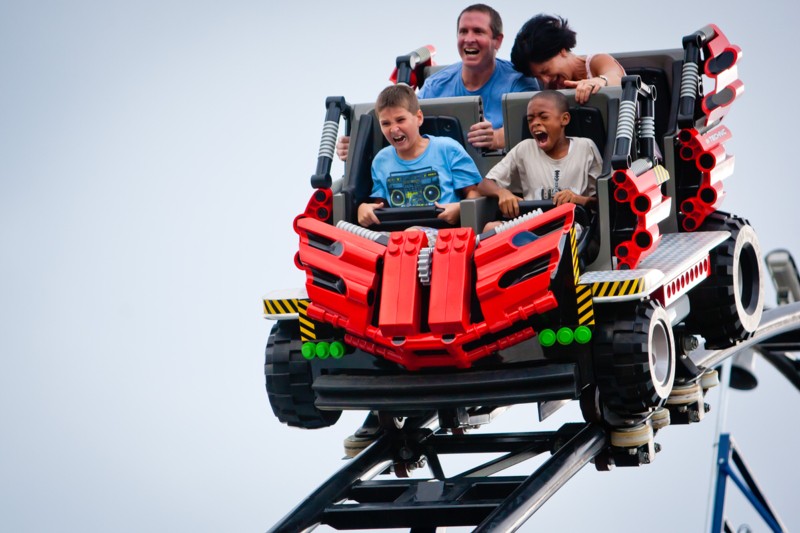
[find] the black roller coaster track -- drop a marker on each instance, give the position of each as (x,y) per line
(351,499)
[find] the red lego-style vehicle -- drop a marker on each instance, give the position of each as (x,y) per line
(558,304)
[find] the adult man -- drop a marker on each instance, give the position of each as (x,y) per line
(480,34)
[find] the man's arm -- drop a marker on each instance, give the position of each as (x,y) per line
(342,147)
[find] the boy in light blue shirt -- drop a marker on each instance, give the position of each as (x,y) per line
(415,169)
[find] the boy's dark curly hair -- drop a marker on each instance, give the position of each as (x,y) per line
(540,39)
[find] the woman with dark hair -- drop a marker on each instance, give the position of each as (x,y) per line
(543,49)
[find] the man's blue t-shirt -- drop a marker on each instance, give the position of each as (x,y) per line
(435,176)
(447,82)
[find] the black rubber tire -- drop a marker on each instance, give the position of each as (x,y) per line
(634,359)
(289,379)
(726,308)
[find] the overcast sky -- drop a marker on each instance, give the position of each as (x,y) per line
(152,157)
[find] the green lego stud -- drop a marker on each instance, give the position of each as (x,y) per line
(309,350)
(547,337)
(337,350)
(565,336)
(323,350)
(583,334)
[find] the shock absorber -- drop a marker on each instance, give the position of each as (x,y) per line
(335,106)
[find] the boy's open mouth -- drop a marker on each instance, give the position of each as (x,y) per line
(398,138)
(541,137)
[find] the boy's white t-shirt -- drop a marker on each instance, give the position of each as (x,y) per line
(541,176)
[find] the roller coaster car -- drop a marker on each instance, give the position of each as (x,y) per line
(531,312)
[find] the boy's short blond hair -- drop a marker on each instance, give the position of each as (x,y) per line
(397,96)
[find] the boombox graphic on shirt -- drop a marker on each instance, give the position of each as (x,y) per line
(413,187)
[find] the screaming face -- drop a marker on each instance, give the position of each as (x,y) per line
(476,45)
(546,124)
(401,128)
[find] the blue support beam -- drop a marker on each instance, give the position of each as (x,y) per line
(730,464)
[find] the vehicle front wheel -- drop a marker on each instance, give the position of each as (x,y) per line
(289,379)
(634,358)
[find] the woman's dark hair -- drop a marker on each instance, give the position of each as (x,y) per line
(540,39)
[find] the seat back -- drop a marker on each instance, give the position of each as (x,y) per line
(661,69)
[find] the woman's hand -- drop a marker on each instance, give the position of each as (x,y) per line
(585,88)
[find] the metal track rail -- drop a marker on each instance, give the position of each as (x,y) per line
(774,323)
(351,499)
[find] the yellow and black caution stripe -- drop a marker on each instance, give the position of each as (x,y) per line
(289,306)
(284,306)
(573,241)
(308,330)
(662,174)
(583,293)
(626,287)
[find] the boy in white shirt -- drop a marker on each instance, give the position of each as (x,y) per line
(550,165)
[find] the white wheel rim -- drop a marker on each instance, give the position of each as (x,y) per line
(661,351)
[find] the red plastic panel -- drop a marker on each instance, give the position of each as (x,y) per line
(715,165)
(718,47)
(320,205)
(451,281)
(514,267)
(401,294)
(344,279)
(681,284)
(341,273)
(643,195)
(717,103)
(720,64)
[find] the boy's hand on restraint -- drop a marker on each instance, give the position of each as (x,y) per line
(366,214)
(451,213)
(508,203)
(567,197)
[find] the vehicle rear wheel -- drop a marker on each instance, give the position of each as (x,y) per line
(726,308)
(635,358)
(289,379)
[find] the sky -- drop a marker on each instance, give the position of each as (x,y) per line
(152,157)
